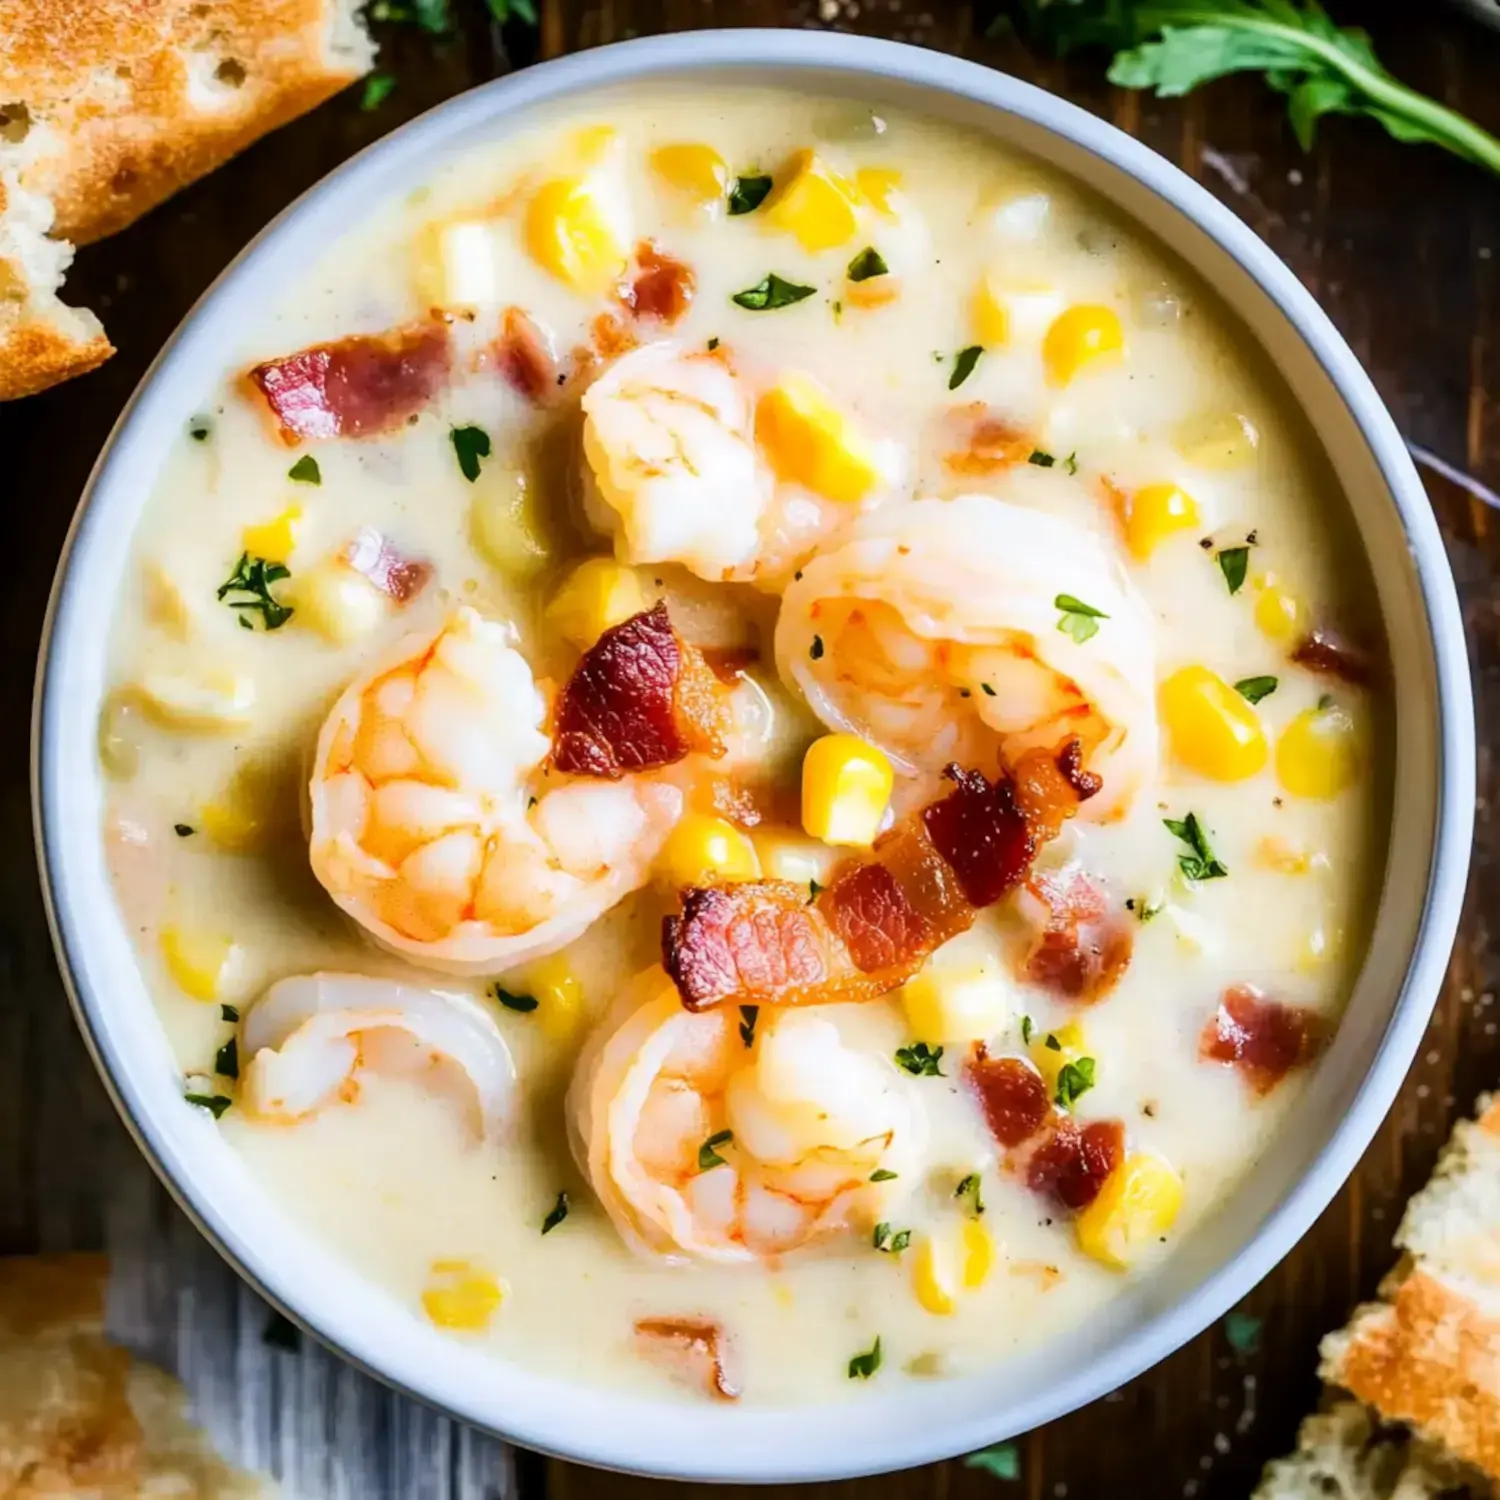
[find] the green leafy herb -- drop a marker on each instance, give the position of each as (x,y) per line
(184,830)
(227,1059)
(747,194)
(522,1003)
(558,1214)
(891,1244)
(1325,702)
(1052,1044)
(838,312)
(969,1191)
(1242,1330)
(1003,1461)
(816,649)
(229,1013)
(378,88)
(881,1174)
(1144,908)
(1172,46)
(708,1157)
(869,262)
(987,690)
(1253,689)
(254,576)
(431,15)
(199,429)
(281,1333)
(1070,463)
(215,1104)
(814,890)
(963,365)
(771,292)
(863,1366)
(1202,863)
(1079,620)
(506,10)
(470,444)
(1025,1031)
(306,470)
(1232,564)
(749,1015)
(1073,1079)
(1040,459)
(712,345)
(920,1060)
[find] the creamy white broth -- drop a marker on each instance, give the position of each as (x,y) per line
(394,1177)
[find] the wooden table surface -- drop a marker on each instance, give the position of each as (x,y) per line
(1401,246)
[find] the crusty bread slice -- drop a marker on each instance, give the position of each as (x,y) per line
(1428,1353)
(1345,1453)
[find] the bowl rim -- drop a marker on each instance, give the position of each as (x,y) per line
(881,64)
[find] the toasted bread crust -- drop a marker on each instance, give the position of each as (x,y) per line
(36,354)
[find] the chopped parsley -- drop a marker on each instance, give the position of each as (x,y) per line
(1040,459)
(1202,863)
(1253,689)
(228,1013)
(749,1014)
(184,830)
(1144,908)
(215,1104)
(470,444)
(969,1191)
(771,292)
(712,345)
(1325,703)
(868,263)
(1232,564)
(522,1003)
(306,470)
(1070,463)
(1025,1031)
(814,890)
(199,429)
(882,1174)
(227,1059)
(378,88)
(920,1060)
(1079,620)
(963,365)
(1073,1079)
(1052,1044)
(987,690)
(816,649)
(557,1215)
(863,1366)
(254,576)
(747,194)
(1003,1461)
(888,1243)
(708,1156)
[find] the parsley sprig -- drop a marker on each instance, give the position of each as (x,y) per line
(1202,863)
(254,576)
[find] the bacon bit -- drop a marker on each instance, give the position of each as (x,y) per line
(1263,1038)
(693,1347)
(611,337)
(1070,767)
(354,387)
(728,663)
(640,698)
(1073,1164)
(1080,949)
(1012,1095)
(982,833)
(1328,654)
(373,555)
(662,289)
(988,443)
(523,358)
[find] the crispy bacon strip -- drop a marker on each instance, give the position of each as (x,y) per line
(355,387)
(1263,1038)
(1012,1095)
(373,555)
(523,358)
(1327,653)
(764,943)
(1080,948)
(693,1347)
(641,698)
(662,288)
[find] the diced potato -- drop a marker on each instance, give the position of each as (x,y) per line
(462,1296)
(1021,218)
(935,1275)
(1279,613)
(979,1252)
(166,605)
(338,603)
(846,788)
(569,232)
(1219,440)
(1153,513)
(1318,754)
(809,441)
(956,1005)
(506,521)
(456,265)
(813,203)
(1212,729)
(1137,1205)
(1079,337)
(790,856)
(694,169)
(558,994)
(878,186)
(702,849)
(597,595)
(1050,1059)
(214,702)
(274,540)
(200,963)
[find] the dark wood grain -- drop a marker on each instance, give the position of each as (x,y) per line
(1401,246)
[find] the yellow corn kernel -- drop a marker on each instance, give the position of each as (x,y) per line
(1153,513)
(936,1276)
(558,993)
(955,1005)
(597,595)
(703,848)
(979,1253)
(699,171)
(1279,613)
(214,701)
(790,856)
(1138,1203)
(846,788)
(813,203)
(1213,730)
(1079,337)
(200,963)
(590,144)
(568,233)
(1220,440)
(460,1295)
(878,187)
(1051,1059)
(991,314)
(274,540)
(338,603)
(166,605)
(506,522)
(809,441)
(1318,753)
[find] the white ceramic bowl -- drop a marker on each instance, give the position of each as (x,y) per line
(884,1428)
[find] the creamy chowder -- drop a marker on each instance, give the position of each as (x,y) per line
(746,748)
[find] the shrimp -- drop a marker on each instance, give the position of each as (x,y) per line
(433,825)
(309,1038)
(699,1145)
(933,632)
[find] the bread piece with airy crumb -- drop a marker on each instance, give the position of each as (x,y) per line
(1345,1453)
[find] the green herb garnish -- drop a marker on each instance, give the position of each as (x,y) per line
(771,292)
(881,1174)
(969,1189)
(708,1157)
(215,1104)
(1070,463)
(184,830)
(1025,1031)
(506,10)
(227,1059)
(306,470)
(869,262)
(749,1014)
(815,651)
(229,1013)
(987,690)
(199,429)
(522,1003)
(814,890)
(1040,459)
(1202,863)
(712,345)
(863,1366)
(888,1243)
(558,1214)
(1145,909)
(1052,1044)
(1232,564)
(470,444)
(920,1060)
(254,576)
(963,365)
(378,87)
(1003,1461)
(747,194)
(1253,689)
(1079,620)
(1073,1079)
